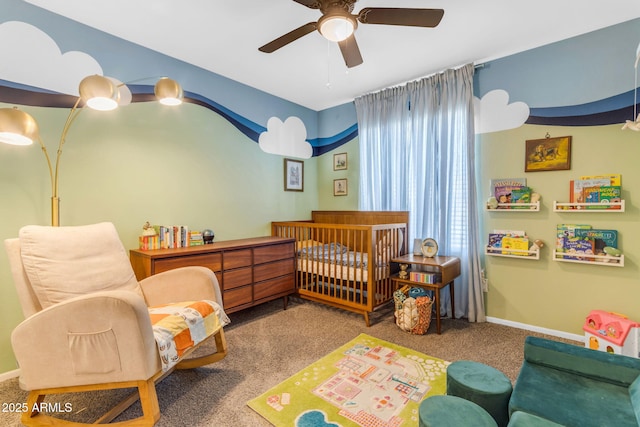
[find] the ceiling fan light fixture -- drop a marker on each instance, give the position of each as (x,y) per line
(336,28)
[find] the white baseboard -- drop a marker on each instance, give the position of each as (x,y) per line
(552,332)
(10,374)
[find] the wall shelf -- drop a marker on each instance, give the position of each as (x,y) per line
(515,207)
(517,253)
(613,207)
(604,260)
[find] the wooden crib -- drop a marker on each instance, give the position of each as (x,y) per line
(343,258)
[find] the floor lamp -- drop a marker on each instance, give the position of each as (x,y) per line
(96,92)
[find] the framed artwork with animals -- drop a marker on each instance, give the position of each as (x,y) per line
(548,154)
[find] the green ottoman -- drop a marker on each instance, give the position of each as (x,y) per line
(452,411)
(481,384)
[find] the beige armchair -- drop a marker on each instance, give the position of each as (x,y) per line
(87,321)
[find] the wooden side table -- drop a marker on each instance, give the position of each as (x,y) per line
(447,266)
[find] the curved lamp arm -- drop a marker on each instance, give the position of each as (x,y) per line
(97,92)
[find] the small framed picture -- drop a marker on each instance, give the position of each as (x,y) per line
(293,175)
(340,187)
(549,154)
(340,162)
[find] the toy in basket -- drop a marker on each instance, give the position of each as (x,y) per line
(412,309)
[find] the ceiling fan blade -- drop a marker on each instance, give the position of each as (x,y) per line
(313,4)
(288,38)
(350,52)
(401,16)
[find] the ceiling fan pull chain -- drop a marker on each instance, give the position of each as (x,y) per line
(328,65)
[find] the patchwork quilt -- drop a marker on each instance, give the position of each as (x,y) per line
(180,326)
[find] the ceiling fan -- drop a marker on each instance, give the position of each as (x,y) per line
(337,24)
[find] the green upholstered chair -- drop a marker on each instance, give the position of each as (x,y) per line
(577,387)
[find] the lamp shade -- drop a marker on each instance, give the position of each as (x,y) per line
(99,93)
(336,28)
(17,127)
(168,91)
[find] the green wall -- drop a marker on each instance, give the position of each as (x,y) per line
(326,175)
(146,162)
(547,293)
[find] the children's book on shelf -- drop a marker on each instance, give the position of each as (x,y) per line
(521,195)
(601,238)
(502,189)
(520,243)
(196,238)
(603,196)
(614,179)
(577,187)
(577,248)
(495,240)
(596,189)
(567,231)
(508,239)
(166,237)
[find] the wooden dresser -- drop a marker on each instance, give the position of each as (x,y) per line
(250,271)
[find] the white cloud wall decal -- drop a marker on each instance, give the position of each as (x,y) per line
(286,138)
(33,58)
(494,113)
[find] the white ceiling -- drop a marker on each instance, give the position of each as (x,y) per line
(224,36)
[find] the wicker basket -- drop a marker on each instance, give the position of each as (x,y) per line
(412,314)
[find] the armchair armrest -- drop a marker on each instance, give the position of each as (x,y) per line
(181,284)
(103,337)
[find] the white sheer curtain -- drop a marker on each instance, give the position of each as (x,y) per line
(417,154)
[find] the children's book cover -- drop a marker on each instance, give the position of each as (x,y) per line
(501,188)
(519,196)
(601,238)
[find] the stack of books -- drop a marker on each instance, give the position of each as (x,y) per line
(171,237)
(425,277)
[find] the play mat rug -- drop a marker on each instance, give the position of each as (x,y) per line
(367,382)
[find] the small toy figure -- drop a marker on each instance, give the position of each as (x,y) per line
(148,230)
(537,244)
(492,203)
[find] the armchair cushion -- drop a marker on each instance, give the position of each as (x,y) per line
(94,253)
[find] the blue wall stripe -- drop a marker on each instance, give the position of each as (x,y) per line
(13,93)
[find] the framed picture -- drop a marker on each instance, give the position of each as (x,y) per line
(293,175)
(549,154)
(340,187)
(340,162)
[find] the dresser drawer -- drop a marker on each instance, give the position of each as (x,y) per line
(272,253)
(238,296)
(211,261)
(236,278)
(269,288)
(272,270)
(237,258)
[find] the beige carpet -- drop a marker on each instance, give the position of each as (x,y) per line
(267,345)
